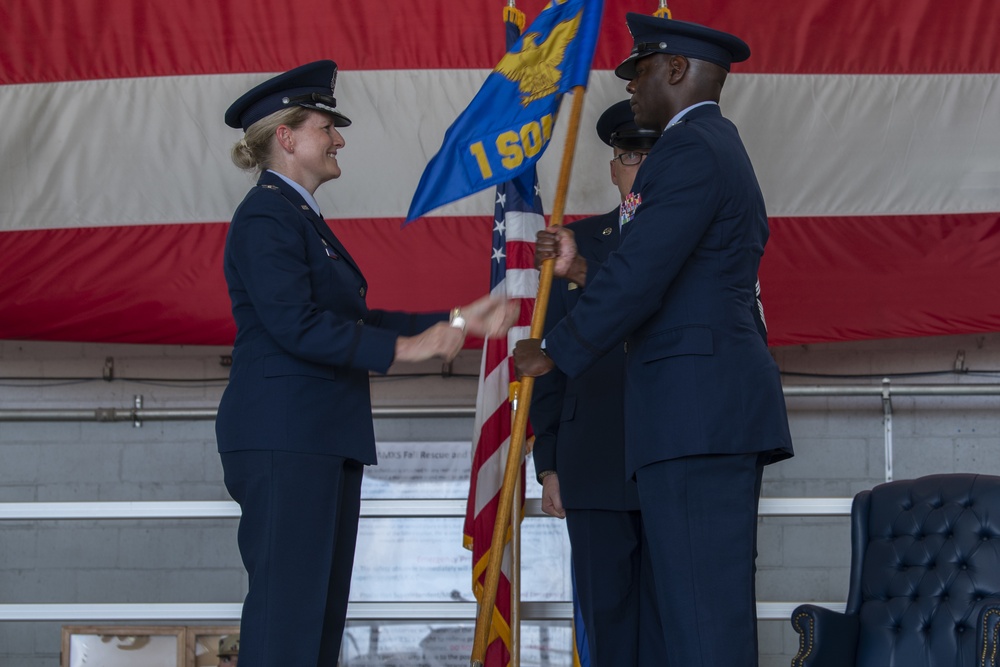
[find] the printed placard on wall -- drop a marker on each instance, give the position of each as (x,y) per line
(205,643)
(419,470)
(122,646)
(430,469)
(399,644)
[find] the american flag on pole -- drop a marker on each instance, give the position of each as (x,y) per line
(512,275)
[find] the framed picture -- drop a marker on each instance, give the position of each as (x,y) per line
(122,646)
(203,644)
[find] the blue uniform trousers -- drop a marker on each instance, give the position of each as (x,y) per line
(614,583)
(297,535)
(700,517)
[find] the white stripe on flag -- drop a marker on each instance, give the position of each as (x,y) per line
(850,145)
(523,225)
(516,334)
(521,283)
(489,475)
(871,145)
(493,391)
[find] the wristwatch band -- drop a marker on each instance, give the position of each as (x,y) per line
(543,474)
(455,319)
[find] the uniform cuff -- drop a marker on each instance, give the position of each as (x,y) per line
(543,474)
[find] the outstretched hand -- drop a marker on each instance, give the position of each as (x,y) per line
(441,341)
(490,317)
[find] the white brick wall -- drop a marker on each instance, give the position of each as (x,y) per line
(839,445)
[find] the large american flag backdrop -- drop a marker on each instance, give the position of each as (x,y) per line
(874,126)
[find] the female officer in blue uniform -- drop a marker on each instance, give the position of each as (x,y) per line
(294,426)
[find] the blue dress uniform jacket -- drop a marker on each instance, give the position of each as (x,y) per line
(681,291)
(295,425)
(578,423)
(580,433)
(704,409)
(305,336)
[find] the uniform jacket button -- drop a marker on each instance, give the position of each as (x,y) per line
(362,292)
(626,347)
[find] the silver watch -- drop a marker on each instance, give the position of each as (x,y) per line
(456,320)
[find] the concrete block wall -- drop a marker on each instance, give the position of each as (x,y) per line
(839,444)
(840,450)
(108,561)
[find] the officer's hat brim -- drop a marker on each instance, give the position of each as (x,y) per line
(616,127)
(661,35)
(310,86)
(638,139)
(339,119)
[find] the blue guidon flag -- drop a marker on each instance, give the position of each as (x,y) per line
(505,129)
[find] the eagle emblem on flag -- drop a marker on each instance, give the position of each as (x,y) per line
(535,68)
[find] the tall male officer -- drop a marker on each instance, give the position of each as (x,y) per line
(704,410)
(580,448)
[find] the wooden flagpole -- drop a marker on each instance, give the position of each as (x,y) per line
(501,525)
(515,572)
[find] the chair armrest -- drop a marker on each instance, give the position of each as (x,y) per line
(826,638)
(988,633)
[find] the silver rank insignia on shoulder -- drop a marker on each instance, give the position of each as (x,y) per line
(270,187)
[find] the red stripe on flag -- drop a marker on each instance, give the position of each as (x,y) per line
(527,309)
(432,264)
(521,254)
(856,37)
(142,284)
(833,279)
(823,278)
(123,38)
(163,284)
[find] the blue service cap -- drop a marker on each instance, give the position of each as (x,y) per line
(655,35)
(616,127)
(310,86)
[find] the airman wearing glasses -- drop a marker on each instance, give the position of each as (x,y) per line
(628,159)
(580,447)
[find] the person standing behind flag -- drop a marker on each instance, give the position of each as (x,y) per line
(294,426)
(579,449)
(704,409)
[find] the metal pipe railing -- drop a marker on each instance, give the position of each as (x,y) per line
(141,414)
(229,612)
(197,414)
(370,509)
